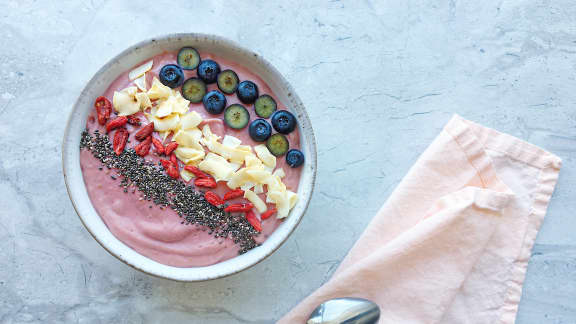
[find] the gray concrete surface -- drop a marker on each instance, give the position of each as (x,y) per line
(380,79)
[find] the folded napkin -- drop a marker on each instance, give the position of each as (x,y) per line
(452,243)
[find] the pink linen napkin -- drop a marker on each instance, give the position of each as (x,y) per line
(452,243)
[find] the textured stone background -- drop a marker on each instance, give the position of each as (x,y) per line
(380,79)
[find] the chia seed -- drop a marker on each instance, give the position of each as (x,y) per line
(157,187)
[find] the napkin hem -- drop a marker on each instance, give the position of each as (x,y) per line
(473,139)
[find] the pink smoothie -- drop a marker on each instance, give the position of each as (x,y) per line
(159,233)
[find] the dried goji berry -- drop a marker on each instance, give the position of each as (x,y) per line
(158,145)
(166,164)
(233,194)
(103,109)
(197,172)
(172,172)
(133,120)
(143,148)
(170,148)
(116,123)
(120,139)
(254,221)
(268,213)
(205,182)
(174,159)
(213,199)
(144,132)
(237,208)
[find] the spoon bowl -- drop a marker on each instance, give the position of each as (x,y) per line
(346,310)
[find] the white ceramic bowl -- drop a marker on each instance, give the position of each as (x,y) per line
(123,62)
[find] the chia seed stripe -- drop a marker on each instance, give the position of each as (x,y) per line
(155,186)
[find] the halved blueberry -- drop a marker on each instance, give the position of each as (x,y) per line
(283,121)
(277,144)
(265,106)
(228,81)
(260,130)
(214,102)
(236,116)
(247,92)
(188,58)
(171,75)
(208,71)
(294,158)
(193,90)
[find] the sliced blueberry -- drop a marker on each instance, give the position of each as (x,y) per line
(283,121)
(277,144)
(188,58)
(193,90)
(294,158)
(265,106)
(171,75)
(260,130)
(236,116)
(247,92)
(208,71)
(228,81)
(214,102)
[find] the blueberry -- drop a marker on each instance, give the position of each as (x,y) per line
(193,90)
(294,158)
(236,116)
(247,92)
(208,71)
(228,81)
(260,130)
(188,58)
(283,121)
(171,75)
(278,144)
(214,102)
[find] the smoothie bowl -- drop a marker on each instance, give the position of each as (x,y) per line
(189,157)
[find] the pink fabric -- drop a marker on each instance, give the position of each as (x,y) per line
(452,243)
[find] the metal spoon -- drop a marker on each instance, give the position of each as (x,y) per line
(345,311)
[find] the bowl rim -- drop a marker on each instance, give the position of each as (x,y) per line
(310,141)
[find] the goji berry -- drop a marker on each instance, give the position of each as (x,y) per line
(143,148)
(213,199)
(197,172)
(91,119)
(254,221)
(170,148)
(133,120)
(103,109)
(172,172)
(158,145)
(205,182)
(233,194)
(166,164)
(237,208)
(120,139)
(174,159)
(116,123)
(144,132)
(268,213)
